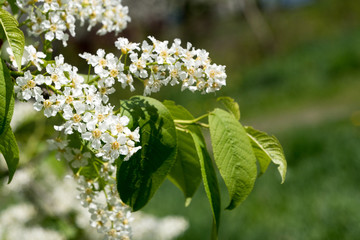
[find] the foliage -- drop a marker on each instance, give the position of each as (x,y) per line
(267,149)
(138,179)
(233,155)
(185,173)
(144,141)
(8,145)
(11,33)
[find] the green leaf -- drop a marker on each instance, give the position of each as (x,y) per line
(140,176)
(267,148)
(8,145)
(210,181)
(233,155)
(14,7)
(6,98)
(10,151)
(12,34)
(75,140)
(185,173)
(231,106)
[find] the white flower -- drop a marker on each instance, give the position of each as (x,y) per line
(98,118)
(175,73)
(26,87)
(76,81)
(216,77)
(56,72)
(51,5)
(176,48)
(96,125)
(50,105)
(95,14)
(88,192)
(55,17)
(86,56)
(105,88)
(152,85)
(119,124)
(147,49)
(100,61)
(99,216)
(77,158)
(106,172)
(126,80)
(94,137)
(73,119)
(114,147)
(55,28)
(125,46)
(92,97)
(164,54)
(138,65)
(115,17)
(70,23)
(115,67)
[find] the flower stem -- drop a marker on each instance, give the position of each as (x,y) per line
(193,121)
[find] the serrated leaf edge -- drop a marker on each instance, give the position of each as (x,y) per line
(275,161)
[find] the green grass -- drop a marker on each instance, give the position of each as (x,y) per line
(315,71)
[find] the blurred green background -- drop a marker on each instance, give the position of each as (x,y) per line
(296,74)
(294,68)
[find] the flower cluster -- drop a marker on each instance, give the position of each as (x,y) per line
(110,216)
(158,65)
(83,103)
(56,17)
(84,108)
(93,135)
(86,112)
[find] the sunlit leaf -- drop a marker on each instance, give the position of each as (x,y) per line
(267,149)
(231,106)
(233,155)
(13,35)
